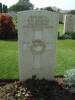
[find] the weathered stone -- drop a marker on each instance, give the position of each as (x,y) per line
(69,24)
(37,37)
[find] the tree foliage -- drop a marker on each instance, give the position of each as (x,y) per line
(21,6)
(5,9)
(72,12)
(0,7)
(48,8)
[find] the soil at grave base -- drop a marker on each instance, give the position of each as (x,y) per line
(35,89)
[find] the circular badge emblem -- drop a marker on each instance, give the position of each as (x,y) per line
(38,47)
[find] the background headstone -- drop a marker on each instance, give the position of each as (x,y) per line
(37,37)
(69,24)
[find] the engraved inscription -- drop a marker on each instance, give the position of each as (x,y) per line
(38,20)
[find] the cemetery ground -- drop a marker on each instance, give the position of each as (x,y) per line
(9,69)
(65,59)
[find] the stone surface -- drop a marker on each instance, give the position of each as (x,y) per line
(37,37)
(69,24)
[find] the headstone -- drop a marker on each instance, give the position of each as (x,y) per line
(37,37)
(69,24)
(61,18)
(74,21)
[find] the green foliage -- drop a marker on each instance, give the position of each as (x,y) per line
(5,9)
(67,36)
(48,8)
(26,5)
(70,79)
(72,12)
(24,1)
(0,7)
(73,35)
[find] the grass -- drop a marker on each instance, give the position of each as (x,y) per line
(61,29)
(9,67)
(8,59)
(65,56)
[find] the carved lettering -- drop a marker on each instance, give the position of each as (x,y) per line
(38,20)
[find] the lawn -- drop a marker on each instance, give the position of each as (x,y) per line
(8,59)
(9,67)
(65,56)
(61,29)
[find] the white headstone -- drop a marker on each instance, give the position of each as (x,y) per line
(37,43)
(69,24)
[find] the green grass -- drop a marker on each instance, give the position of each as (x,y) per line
(65,56)
(61,29)
(8,59)
(9,67)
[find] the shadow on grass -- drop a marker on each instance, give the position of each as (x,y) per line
(9,40)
